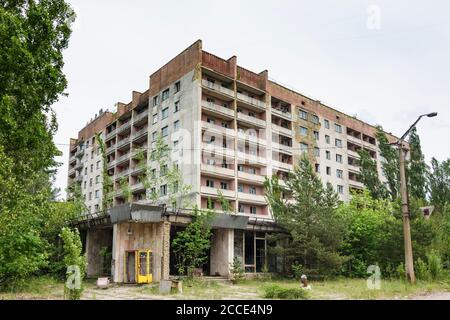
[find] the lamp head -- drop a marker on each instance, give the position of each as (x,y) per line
(431,115)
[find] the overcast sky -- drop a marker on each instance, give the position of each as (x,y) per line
(384,61)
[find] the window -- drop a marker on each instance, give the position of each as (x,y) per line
(315,119)
(176,126)
(317,167)
(163,170)
(340,189)
(326,123)
(177,86)
(97,208)
(339,158)
(163,190)
(85,184)
(90,195)
(97,194)
(210,183)
(329,171)
(177,107)
(211,162)
(252,209)
(224,186)
(155,101)
(303,147)
(240,188)
(303,115)
(338,143)
(339,173)
(92,168)
(98,165)
(85,170)
(241,208)
(327,139)
(165,131)
(155,118)
(328,155)
(97,179)
(317,152)
(303,131)
(210,204)
(211,120)
(316,135)
(154,136)
(252,190)
(252,170)
(165,95)
(240,168)
(164,113)
(92,154)
(90,182)
(175,145)
(337,128)
(153,173)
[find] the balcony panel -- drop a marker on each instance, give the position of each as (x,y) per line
(251,120)
(218,109)
(251,101)
(251,198)
(282,166)
(217,171)
(217,88)
(213,128)
(282,114)
(213,192)
(279,129)
(251,178)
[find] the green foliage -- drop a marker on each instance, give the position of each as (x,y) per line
(237,270)
(224,203)
(421,270)
(125,187)
(439,185)
(435,265)
(106,255)
(417,169)
(314,230)
(72,257)
(390,163)
(369,176)
(191,245)
(277,292)
(107,182)
(297,270)
(401,272)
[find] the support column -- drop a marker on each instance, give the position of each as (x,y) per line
(165,263)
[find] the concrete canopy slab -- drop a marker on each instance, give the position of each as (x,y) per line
(136,212)
(228,221)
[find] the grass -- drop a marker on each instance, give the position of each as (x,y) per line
(48,288)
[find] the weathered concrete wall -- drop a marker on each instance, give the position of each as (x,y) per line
(96,239)
(142,236)
(222,252)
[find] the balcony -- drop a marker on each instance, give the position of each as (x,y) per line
(140,117)
(123,173)
(252,198)
(140,134)
(217,149)
(251,120)
(226,112)
(252,159)
(123,142)
(79,165)
(111,164)
(352,153)
(356,184)
(123,158)
(110,149)
(354,140)
(252,178)
(79,178)
(282,148)
(213,128)
(282,130)
(79,153)
(138,187)
(251,139)
(214,192)
(110,135)
(282,114)
(217,88)
(217,171)
(282,165)
(72,159)
(124,127)
(71,172)
(138,169)
(251,101)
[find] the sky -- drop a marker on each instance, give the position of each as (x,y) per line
(386,62)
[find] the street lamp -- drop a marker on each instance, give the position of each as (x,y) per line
(409,262)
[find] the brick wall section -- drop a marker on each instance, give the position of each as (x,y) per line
(226,67)
(176,68)
(251,78)
(96,126)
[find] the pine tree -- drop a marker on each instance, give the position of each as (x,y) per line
(390,164)
(369,176)
(417,168)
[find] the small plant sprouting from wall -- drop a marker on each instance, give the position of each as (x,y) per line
(126,189)
(107,198)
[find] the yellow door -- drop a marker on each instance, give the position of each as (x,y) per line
(143,268)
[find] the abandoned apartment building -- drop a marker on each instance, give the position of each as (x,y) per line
(227,128)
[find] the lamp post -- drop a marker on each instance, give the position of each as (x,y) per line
(409,262)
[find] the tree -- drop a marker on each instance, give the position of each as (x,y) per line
(439,185)
(389,163)
(191,245)
(75,263)
(369,176)
(107,182)
(417,168)
(313,230)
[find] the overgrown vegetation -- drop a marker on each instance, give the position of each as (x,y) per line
(277,292)
(107,182)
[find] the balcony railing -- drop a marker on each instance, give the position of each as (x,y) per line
(218,108)
(124,127)
(141,116)
(253,101)
(216,170)
(217,87)
(110,135)
(217,149)
(214,192)
(140,133)
(71,172)
(256,178)
(251,138)
(251,197)
(125,157)
(216,128)
(123,173)
(137,186)
(283,114)
(79,153)
(282,148)
(79,178)
(282,130)
(282,165)
(252,159)
(111,164)
(251,120)
(123,142)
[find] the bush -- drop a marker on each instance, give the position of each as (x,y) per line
(277,292)
(297,270)
(435,265)
(422,271)
(401,272)
(236,271)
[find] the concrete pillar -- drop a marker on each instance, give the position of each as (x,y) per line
(222,252)
(96,239)
(165,263)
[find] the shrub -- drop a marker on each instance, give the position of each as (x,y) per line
(277,292)
(297,270)
(401,272)
(236,270)
(435,265)
(422,271)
